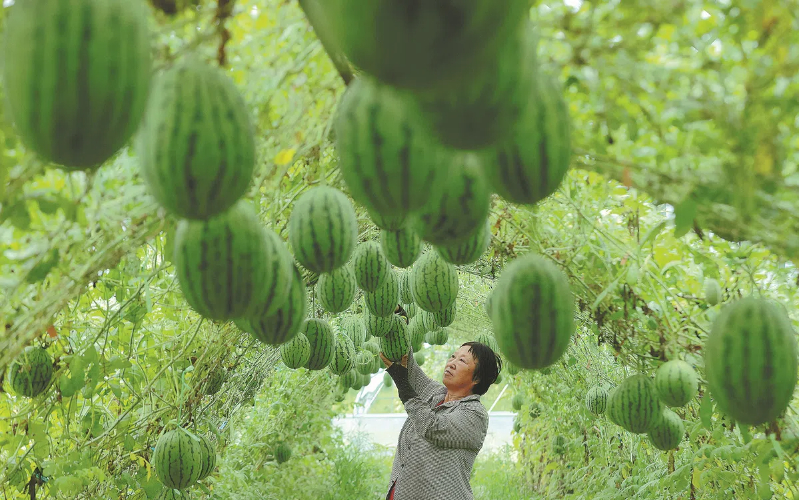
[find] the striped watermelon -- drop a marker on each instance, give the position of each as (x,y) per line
(323,229)
(461,207)
(751,360)
(596,400)
(31,371)
(488,340)
(177,459)
(374,347)
(322,341)
(446,316)
(295,353)
(278,283)
(517,401)
(421,45)
(469,250)
(401,247)
(676,383)
(283,452)
(385,299)
(434,282)
(428,321)
(534,410)
(363,361)
(205,254)
(634,405)
(406,297)
(197,144)
(396,342)
(712,291)
(531,164)
(208,458)
(416,330)
(411,309)
(348,379)
(336,289)
(666,432)
(77,75)
(377,326)
(357,381)
(363,380)
(387,222)
(370,266)
(532,312)
(353,327)
(282,325)
(389,162)
(344,355)
(439,336)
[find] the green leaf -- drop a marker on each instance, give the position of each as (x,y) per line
(684,216)
(40,271)
(705,411)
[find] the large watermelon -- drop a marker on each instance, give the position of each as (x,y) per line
(377,326)
(428,321)
(323,229)
(420,45)
(751,360)
(530,165)
(336,289)
(468,250)
(460,208)
(223,263)
(387,158)
(597,400)
(434,282)
(76,76)
(676,383)
(666,432)
(634,404)
(396,342)
(322,341)
(387,222)
(282,325)
(196,147)
(208,459)
(344,355)
(177,459)
(31,371)
(401,247)
(532,312)
(279,279)
(370,266)
(385,299)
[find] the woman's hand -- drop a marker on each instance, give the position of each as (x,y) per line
(388,363)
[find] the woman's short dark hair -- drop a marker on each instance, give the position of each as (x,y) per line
(487,366)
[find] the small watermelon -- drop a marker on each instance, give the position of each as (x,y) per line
(511,368)
(469,250)
(323,229)
(387,380)
(634,404)
(208,458)
(31,372)
(295,353)
(282,325)
(596,400)
(344,356)
(419,358)
(396,342)
(322,341)
(336,289)
(364,361)
(370,266)
(440,336)
(377,326)
(712,291)
(676,383)
(401,247)
(177,459)
(667,431)
(517,401)
(353,327)
(385,299)
(434,282)
(283,452)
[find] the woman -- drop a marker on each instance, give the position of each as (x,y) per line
(446,424)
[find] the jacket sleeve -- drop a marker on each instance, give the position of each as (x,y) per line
(464,428)
(423,385)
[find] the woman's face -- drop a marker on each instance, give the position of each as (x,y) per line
(459,370)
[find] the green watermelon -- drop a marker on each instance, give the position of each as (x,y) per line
(377,326)
(364,362)
(336,289)
(419,358)
(666,432)
(348,379)
(712,291)
(406,297)
(596,400)
(534,410)
(370,266)
(676,383)
(422,45)
(385,299)
(446,316)
(363,380)
(460,208)
(751,360)
(517,425)
(428,321)
(411,309)
(374,347)
(322,341)
(517,401)
(279,284)
(388,160)
(76,76)
(469,250)
(396,342)
(499,379)
(488,304)
(178,459)
(559,445)
(322,229)
(283,324)
(511,368)
(387,222)
(387,380)
(171,494)
(532,312)
(487,339)
(196,147)
(205,254)
(31,371)
(283,452)
(530,165)
(357,381)
(344,356)
(439,336)
(295,353)
(208,459)
(416,330)
(213,383)
(634,405)
(401,247)
(353,327)
(434,283)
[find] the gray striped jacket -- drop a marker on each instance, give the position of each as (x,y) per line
(437,445)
